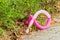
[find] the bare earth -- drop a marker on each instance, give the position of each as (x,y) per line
(52,33)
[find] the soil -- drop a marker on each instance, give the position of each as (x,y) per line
(15,34)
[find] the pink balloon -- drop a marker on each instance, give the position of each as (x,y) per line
(32,20)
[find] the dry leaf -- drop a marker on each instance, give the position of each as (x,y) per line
(19,38)
(53,22)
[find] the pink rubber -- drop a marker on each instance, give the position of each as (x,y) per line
(38,25)
(32,20)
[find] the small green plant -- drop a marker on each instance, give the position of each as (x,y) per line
(2,32)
